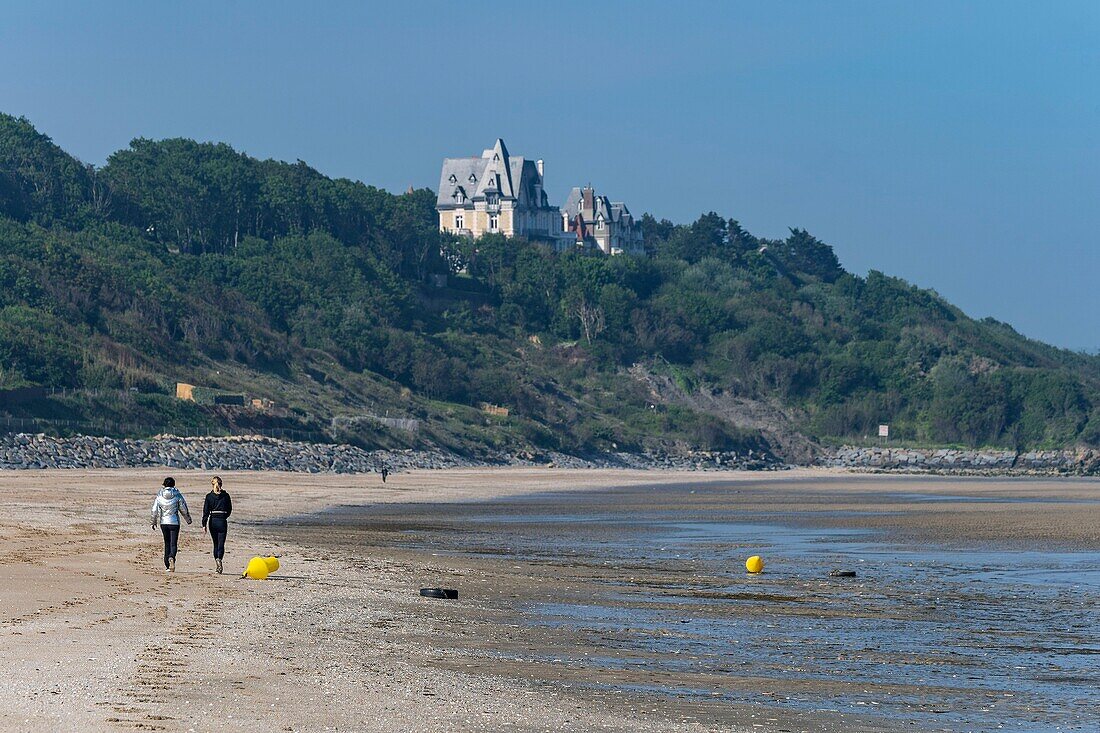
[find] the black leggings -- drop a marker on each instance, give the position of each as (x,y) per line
(171,539)
(219,528)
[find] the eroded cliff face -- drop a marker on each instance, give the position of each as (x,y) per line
(775,423)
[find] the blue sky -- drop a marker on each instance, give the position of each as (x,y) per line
(955,144)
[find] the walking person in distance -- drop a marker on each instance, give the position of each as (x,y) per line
(167,508)
(215,518)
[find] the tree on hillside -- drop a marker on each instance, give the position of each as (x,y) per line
(589,315)
(38,180)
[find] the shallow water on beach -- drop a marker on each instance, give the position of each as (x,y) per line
(972,637)
(970,640)
(952,639)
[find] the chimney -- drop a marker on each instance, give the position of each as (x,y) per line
(541,167)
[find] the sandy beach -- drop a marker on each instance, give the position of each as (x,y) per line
(97,637)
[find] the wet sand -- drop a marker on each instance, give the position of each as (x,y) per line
(99,638)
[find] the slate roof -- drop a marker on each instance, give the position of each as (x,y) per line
(601,208)
(572,205)
(611,211)
(495,172)
(619,210)
(460,176)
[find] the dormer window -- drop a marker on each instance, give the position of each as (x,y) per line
(452,179)
(599,223)
(473,178)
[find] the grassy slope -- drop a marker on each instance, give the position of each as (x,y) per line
(115,284)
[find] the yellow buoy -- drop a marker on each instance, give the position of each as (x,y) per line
(257,569)
(754,564)
(272,563)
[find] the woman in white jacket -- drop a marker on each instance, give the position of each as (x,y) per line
(167,508)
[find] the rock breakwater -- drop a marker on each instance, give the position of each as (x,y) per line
(690,461)
(256,453)
(1085,461)
(243,453)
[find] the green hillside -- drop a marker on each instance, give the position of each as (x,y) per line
(190,262)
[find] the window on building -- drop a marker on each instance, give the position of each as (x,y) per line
(459,221)
(493,222)
(599,223)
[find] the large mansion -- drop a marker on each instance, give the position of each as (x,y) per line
(501,193)
(603,223)
(496,192)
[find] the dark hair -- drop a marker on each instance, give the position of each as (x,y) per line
(169,482)
(218,479)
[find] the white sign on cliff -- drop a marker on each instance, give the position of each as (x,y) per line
(884,431)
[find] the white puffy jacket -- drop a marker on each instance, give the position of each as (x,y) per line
(168,506)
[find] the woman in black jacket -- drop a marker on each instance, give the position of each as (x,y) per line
(215,511)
